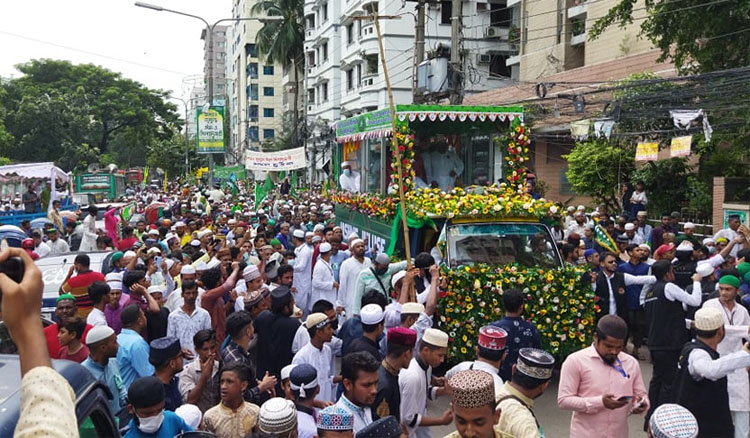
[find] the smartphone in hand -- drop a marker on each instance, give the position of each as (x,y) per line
(625,398)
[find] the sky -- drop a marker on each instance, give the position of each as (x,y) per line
(158,49)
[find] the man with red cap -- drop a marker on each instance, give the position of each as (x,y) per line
(490,354)
(400,344)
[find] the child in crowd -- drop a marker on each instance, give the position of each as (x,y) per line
(69,336)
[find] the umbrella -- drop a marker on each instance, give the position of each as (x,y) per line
(154,211)
(40,222)
(12,235)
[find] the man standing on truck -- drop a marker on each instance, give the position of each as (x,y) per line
(30,199)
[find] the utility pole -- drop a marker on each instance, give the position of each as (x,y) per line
(456,83)
(419,47)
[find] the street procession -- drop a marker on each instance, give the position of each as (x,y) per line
(375,218)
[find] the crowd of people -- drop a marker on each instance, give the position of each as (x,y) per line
(264,319)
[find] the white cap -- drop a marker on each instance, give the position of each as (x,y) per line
(153,232)
(213,263)
(169,263)
(191,414)
(179,224)
(382,258)
(169,236)
(298,233)
(371,314)
(319,227)
(114,280)
(187,270)
(157,288)
(708,318)
(203,233)
(357,241)
(411,308)
(195,242)
(704,269)
(581,208)
(232,221)
(324,247)
(629,227)
(708,240)
(201,266)
(309,234)
(352,235)
(685,246)
(316,238)
(435,337)
(154,250)
(98,333)
(250,273)
(396,277)
(345,164)
(287,370)
(689,225)
(261,211)
(129,254)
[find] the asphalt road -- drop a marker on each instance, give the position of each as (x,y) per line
(556,422)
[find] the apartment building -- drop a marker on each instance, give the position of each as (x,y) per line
(254,94)
(343,71)
(215,59)
(555,48)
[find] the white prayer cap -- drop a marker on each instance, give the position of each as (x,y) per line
(345,164)
(213,263)
(571,209)
(232,221)
(708,318)
(411,308)
(371,314)
(98,333)
(191,414)
(195,242)
(316,238)
(309,234)
(689,225)
(708,240)
(685,246)
(153,232)
(396,277)
(357,241)
(324,247)
(299,234)
(435,337)
(250,273)
(179,224)
(319,227)
(154,289)
(201,266)
(704,269)
(169,263)
(203,233)
(187,270)
(114,280)
(581,208)
(352,235)
(287,370)
(629,227)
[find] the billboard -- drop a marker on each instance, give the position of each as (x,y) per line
(210,130)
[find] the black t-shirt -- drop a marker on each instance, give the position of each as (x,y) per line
(275,335)
(156,324)
(365,344)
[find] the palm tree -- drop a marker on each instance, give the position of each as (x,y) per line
(282,41)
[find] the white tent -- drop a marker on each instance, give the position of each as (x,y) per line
(35,170)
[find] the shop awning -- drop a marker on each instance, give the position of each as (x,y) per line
(377,124)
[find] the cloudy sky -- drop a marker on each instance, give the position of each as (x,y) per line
(158,49)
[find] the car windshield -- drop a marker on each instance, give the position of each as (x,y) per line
(501,244)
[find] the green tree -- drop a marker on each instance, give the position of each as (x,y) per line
(169,155)
(69,114)
(596,168)
(282,41)
(697,35)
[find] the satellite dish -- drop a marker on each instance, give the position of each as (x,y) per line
(93,167)
(112,168)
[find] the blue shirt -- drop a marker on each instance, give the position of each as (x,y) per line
(336,261)
(350,330)
(110,375)
(521,334)
(132,357)
(172,425)
(633,292)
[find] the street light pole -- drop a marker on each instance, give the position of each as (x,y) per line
(210,71)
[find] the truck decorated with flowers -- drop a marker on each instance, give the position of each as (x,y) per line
(487,232)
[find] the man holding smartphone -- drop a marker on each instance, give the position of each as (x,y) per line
(602,385)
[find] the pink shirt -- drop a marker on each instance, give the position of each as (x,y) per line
(584,379)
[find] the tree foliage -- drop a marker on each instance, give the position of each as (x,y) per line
(697,35)
(596,168)
(77,114)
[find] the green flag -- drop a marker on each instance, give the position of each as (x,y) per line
(293,191)
(602,237)
(261,191)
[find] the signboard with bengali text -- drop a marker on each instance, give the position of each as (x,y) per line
(211,130)
(276,161)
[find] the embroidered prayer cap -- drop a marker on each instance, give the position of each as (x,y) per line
(335,418)
(535,363)
(287,370)
(386,427)
(673,421)
(642,213)
(708,240)
(277,416)
(435,338)
(708,318)
(250,273)
(402,336)
(317,320)
(371,314)
(411,308)
(303,378)
(473,389)
(253,298)
(492,338)
(622,238)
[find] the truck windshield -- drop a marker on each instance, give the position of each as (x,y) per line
(501,244)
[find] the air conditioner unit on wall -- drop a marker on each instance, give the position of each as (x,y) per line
(495,32)
(484,59)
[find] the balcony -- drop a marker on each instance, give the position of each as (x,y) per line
(578,11)
(369,93)
(513,60)
(368,43)
(577,40)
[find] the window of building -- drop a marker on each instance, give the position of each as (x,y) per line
(267,112)
(221,44)
(324,49)
(253,92)
(252,70)
(500,15)
(252,133)
(446,11)
(220,86)
(560,20)
(310,20)
(268,134)
(324,9)
(251,50)
(268,91)
(311,95)
(324,91)
(268,70)
(350,79)
(525,28)
(252,113)
(498,66)
(350,33)
(359,75)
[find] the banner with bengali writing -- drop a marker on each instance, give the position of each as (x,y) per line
(647,151)
(276,161)
(680,146)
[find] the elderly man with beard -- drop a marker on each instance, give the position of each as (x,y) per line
(348,273)
(602,385)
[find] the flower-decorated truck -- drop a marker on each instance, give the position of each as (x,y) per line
(489,234)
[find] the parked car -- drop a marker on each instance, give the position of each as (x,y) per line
(55,269)
(91,405)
